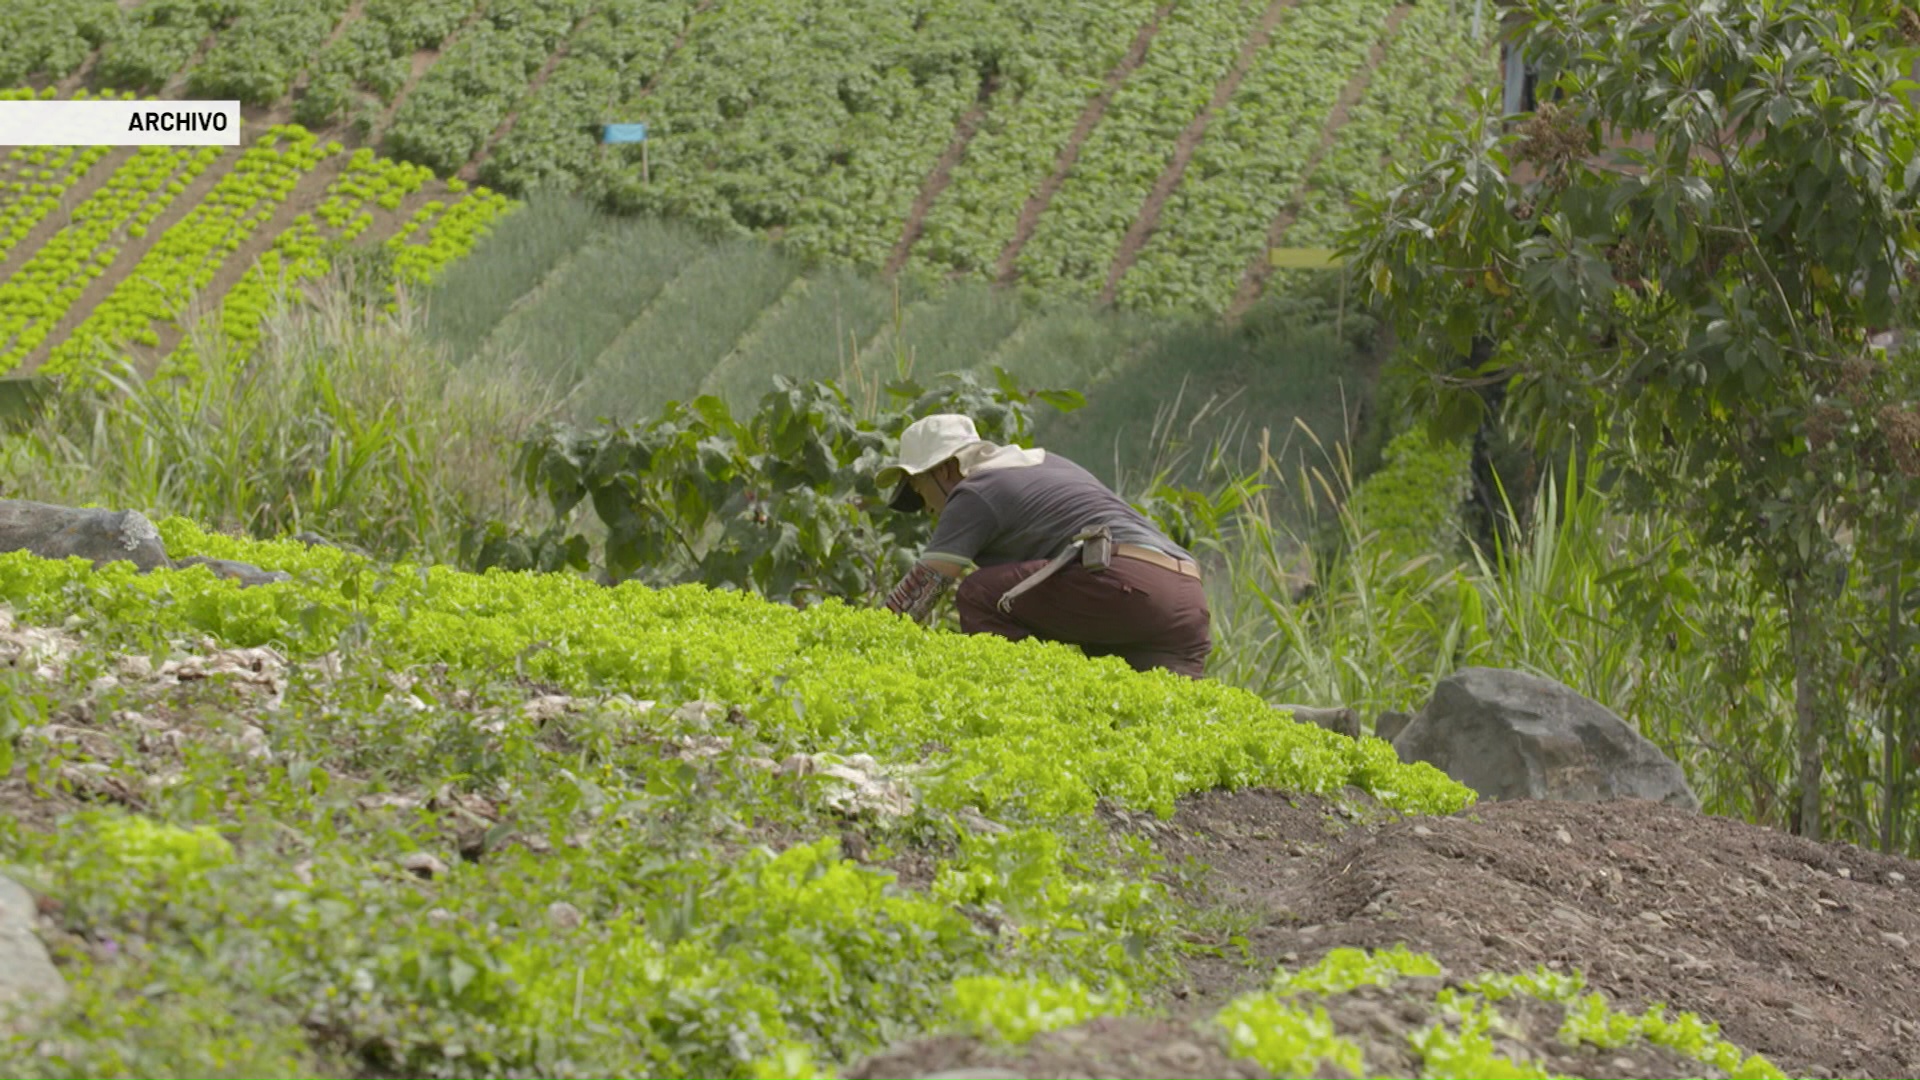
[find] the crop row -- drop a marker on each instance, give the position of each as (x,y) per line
(1252,160)
(255,60)
(446,119)
(1030,724)
(184,260)
(1045,89)
(302,252)
(36,179)
(823,117)
(373,55)
(52,39)
(556,138)
(159,38)
(1421,75)
(39,293)
(1081,230)
(442,231)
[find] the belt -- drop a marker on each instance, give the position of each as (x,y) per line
(1158,558)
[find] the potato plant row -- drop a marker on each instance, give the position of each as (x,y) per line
(187,256)
(556,139)
(256,59)
(35,297)
(363,69)
(1247,168)
(1066,58)
(53,40)
(447,118)
(147,46)
(1082,228)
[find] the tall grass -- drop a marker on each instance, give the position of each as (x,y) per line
(346,421)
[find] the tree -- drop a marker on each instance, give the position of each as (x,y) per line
(1685,257)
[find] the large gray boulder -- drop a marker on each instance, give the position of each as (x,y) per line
(1511,735)
(104,536)
(29,983)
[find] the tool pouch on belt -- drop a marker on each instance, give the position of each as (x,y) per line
(1094,548)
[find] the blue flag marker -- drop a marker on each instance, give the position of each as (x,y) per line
(623,133)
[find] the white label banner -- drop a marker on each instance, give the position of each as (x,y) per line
(119,123)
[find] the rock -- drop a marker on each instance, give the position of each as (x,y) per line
(313,539)
(28,980)
(104,536)
(563,916)
(1388,725)
(423,865)
(1343,720)
(234,570)
(1511,735)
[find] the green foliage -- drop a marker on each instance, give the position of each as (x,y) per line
(1284,1038)
(782,504)
(1411,504)
(1341,970)
(1703,315)
(1028,723)
(1465,1051)
(1012,1011)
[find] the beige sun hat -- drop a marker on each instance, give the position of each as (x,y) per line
(925,443)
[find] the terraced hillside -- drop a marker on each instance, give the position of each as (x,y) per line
(1134,151)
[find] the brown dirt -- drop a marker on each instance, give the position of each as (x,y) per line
(942,174)
(1006,271)
(1808,953)
(1149,216)
(1255,279)
(93,180)
(129,256)
(471,170)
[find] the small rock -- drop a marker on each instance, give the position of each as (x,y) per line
(974,822)
(422,864)
(254,742)
(1898,941)
(1846,873)
(1562,835)
(563,916)
(1895,877)
(1625,1066)
(440,916)
(1422,830)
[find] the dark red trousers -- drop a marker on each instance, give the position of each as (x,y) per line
(1147,615)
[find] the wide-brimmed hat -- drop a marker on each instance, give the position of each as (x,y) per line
(926,443)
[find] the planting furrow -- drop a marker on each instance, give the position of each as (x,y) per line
(1254,280)
(448,116)
(356,11)
(360,74)
(663,355)
(471,170)
(1184,149)
(556,140)
(1079,234)
(1033,132)
(941,176)
(257,57)
(52,41)
(1244,175)
(37,181)
(189,252)
(82,189)
(327,208)
(35,298)
(414,69)
(160,39)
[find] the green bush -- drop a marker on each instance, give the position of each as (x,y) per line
(1412,505)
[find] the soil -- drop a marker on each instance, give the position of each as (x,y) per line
(1255,279)
(1807,953)
(942,175)
(1007,271)
(1149,217)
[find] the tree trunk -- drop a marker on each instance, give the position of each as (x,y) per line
(1806,714)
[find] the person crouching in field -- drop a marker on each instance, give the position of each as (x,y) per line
(1043,549)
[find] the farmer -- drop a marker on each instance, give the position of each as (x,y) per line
(1044,550)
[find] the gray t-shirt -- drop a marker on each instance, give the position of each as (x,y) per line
(1000,516)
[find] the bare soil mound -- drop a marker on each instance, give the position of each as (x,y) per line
(1807,953)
